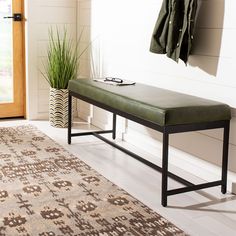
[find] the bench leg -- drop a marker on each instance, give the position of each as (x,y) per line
(225,158)
(114,126)
(69,118)
(165,168)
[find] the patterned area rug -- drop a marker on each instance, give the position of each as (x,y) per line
(46,191)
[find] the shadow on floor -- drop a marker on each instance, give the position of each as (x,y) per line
(212,201)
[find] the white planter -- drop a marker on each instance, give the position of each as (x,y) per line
(58,107)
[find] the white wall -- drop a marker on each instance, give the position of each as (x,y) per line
(40,16)
(124,29)
(84,31)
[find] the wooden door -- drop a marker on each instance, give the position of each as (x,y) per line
(12,57)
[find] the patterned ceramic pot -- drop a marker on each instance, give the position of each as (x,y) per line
(58,107)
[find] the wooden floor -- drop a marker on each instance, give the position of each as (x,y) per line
(205,213)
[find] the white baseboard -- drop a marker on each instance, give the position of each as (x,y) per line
(84,111)
(40,116)
(84,116)
(100,124)
(103,120)
(190,165)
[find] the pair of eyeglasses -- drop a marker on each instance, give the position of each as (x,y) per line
(112,79)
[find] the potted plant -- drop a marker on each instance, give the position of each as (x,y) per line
(61,66)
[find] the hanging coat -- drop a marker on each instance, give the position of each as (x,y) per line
(173,32)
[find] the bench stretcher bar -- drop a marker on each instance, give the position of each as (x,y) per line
(166,130)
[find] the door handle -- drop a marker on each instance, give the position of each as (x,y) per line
(15,17)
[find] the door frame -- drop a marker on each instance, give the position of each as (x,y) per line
(17,108)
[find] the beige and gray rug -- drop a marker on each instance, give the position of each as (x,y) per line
(46,191)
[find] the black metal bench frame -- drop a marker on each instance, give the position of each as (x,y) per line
(166,131)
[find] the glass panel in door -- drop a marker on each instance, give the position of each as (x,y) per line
(6,54)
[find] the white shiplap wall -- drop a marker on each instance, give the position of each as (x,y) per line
(124,28)
(40,16)
(84,31)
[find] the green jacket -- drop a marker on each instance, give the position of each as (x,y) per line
(173,32)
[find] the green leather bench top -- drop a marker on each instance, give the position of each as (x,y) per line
(159,106)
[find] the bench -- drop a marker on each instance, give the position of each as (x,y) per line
(162,110)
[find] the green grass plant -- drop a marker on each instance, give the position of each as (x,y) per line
(62,61)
